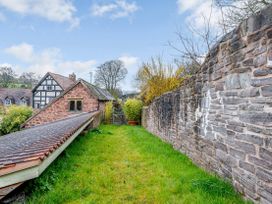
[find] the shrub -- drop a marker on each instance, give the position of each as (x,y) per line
(14,118)
(108,112)
(133,109)
(156,78)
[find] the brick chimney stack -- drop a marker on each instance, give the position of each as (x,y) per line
(72,77)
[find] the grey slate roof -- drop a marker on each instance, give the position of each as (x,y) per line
(63,81)
(39,141)
(16,94)
(101,94)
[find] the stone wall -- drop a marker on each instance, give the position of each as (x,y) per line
(59,109)
(222,117)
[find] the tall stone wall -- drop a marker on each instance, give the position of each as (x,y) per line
(222,117)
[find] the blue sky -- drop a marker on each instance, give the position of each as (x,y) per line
(67,36)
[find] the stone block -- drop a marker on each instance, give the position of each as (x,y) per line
(266,91)
(266,155)
(221,146)
(254,37)
(254,139)
(259,162)
(235,128)
(260,60)
(241,146)
(232,101)
(265,195)
(261,82)
(232,81)
(237,123)
(247,166)
(248,62)
(237,154)
(237,45)
(262,72)
(264,175)
(264,118)
(252,92)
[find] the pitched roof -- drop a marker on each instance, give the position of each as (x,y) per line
(101,94)
(63,81)
(38,142)
(15,94)
(24,155)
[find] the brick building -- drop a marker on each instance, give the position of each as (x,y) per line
(80,97)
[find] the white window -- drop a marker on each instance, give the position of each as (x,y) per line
(49,88)
(8,102)
(37,105)
(23,101)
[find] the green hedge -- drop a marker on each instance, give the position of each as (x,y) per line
(133,109)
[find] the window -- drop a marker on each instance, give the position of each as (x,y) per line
(37,105)
(23,101)
(49,88)
(72,106)
(8,101)
(79,105)
(75,105)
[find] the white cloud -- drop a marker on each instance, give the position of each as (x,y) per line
(200,12)
(49,59)
(100,10)
(53,10)
(22,51)
(117,9)
(129,61)
(184,5)
(77,66)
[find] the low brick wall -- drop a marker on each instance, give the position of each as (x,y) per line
(222,117)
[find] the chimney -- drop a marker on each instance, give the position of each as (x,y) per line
(72,77)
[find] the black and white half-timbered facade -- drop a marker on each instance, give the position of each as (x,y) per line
(49,87)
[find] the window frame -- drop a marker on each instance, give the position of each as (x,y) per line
(76,102)
(49,88)
(23,101)
(9,100)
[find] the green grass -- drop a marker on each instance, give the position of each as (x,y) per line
(123,164)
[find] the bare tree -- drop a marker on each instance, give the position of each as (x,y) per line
(236,11)
(193,47)
(7,76)
(109,74)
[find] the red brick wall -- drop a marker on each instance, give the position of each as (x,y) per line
(60,108)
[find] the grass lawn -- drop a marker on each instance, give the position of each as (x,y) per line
(123,164)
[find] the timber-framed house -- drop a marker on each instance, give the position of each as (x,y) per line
(49,87)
